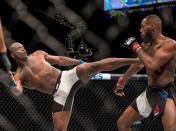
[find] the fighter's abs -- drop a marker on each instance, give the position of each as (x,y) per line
(44,79)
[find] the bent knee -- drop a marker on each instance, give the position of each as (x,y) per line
(84,68)
(84,72)
(122,125)
(59,125)
(60,121)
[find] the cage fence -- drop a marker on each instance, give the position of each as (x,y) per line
(95,108)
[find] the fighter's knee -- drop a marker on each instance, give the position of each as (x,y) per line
(83,71)
(82,67)
(121,124)
(59,125)
(171,127)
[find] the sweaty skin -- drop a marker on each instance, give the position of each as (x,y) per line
(34,77)
(35,71)
(160,66)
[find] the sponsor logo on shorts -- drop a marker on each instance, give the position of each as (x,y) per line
(156,110)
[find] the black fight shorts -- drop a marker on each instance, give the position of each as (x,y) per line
(153,99)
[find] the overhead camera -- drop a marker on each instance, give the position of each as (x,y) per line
(84,51)
(73,50)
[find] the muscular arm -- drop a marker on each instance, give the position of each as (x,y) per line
(2,43)
(161,57)
(61,60)
(133,69)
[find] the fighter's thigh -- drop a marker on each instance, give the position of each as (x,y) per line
(129,116)
(61,119)
(87,70)
(169,116)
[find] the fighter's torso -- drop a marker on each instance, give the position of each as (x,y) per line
(164,74)
(39,74)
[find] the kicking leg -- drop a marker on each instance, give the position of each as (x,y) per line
(87,70)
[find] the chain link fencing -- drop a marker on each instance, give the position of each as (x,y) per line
(95,108)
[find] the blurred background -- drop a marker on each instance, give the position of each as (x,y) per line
(63,27)
(86,29)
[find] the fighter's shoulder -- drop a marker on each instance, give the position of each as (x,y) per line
(39,52)
(169,46)
(170,43)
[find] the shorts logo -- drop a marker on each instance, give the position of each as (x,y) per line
(156,110)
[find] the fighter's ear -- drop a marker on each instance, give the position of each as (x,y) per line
(153,27)
(12,55)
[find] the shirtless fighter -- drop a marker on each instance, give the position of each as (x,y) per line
(160,96)
(35,71)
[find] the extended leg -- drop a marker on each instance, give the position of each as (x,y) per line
(87,70)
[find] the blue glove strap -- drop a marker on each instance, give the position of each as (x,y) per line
(81,62)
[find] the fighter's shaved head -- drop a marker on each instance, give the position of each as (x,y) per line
(155,20)
(14,46)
